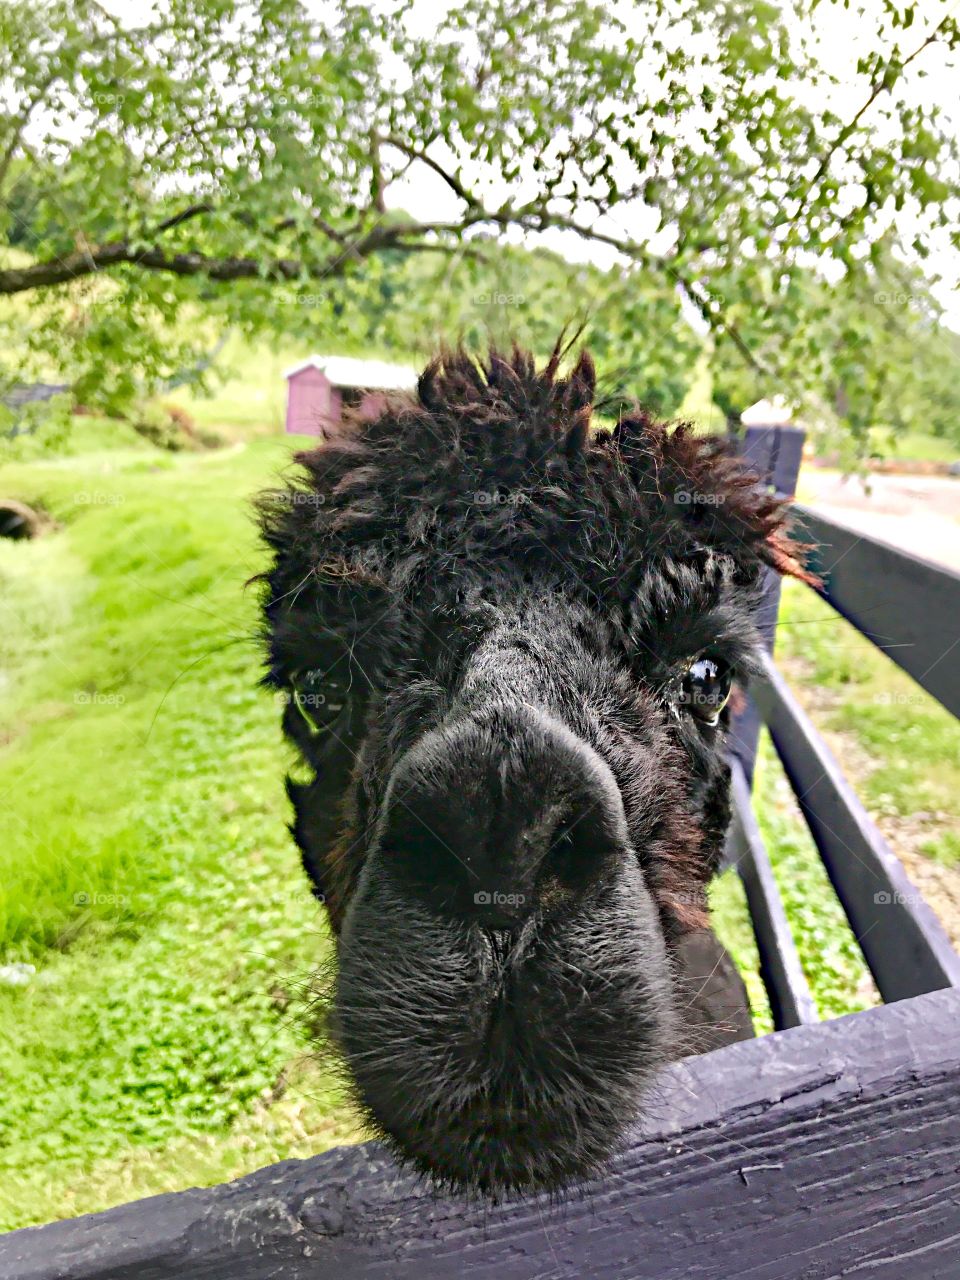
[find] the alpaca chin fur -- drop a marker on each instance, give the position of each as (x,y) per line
(499,606)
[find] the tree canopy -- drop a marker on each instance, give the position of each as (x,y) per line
(220,160)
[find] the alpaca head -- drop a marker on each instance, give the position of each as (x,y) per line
(509,645)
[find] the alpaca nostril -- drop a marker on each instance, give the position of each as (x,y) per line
(563,850)
(564,863)
(491,836)
(580,849)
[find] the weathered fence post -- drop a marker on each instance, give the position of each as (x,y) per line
(775,453)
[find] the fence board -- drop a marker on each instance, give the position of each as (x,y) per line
(772,1159)
(775,454)
(907,606)
(903,941)
(791,1002)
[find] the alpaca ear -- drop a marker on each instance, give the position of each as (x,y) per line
(782,552)
(578,393)
(427,384)
(718,495)
(582,384)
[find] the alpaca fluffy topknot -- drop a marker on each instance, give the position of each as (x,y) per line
(496,451)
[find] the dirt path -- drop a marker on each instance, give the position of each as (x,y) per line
(921,514)
(939,885)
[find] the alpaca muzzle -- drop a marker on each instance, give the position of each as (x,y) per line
(503,1060)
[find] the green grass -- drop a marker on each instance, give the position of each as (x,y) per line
(911,741)
(146,870)
(828,951)
(915,446)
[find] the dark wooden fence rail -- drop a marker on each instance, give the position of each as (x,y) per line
(818,1153)
(824,1150)
(909,608)
(902,940)
(775,453)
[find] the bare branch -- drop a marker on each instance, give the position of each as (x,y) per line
(21,122)
(185,215)
(882,84)
(453,181)
(95,258)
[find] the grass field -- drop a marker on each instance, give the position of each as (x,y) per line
(146,871)
(915,446)
(908,744)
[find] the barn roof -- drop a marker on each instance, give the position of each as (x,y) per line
(30,393)
(768,413)
(346,371)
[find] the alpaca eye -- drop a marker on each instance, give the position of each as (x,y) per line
(706,689)
(320,697)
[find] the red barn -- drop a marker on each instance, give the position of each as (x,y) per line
(319,389)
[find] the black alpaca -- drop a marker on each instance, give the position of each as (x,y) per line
(509,645)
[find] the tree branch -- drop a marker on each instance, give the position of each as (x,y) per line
(98,258)
(452,180)
(21,122)
(193,211)
(406,237)
(882,84)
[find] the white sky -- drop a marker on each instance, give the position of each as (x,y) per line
(843,35)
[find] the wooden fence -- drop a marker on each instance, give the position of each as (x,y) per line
(823,1150)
